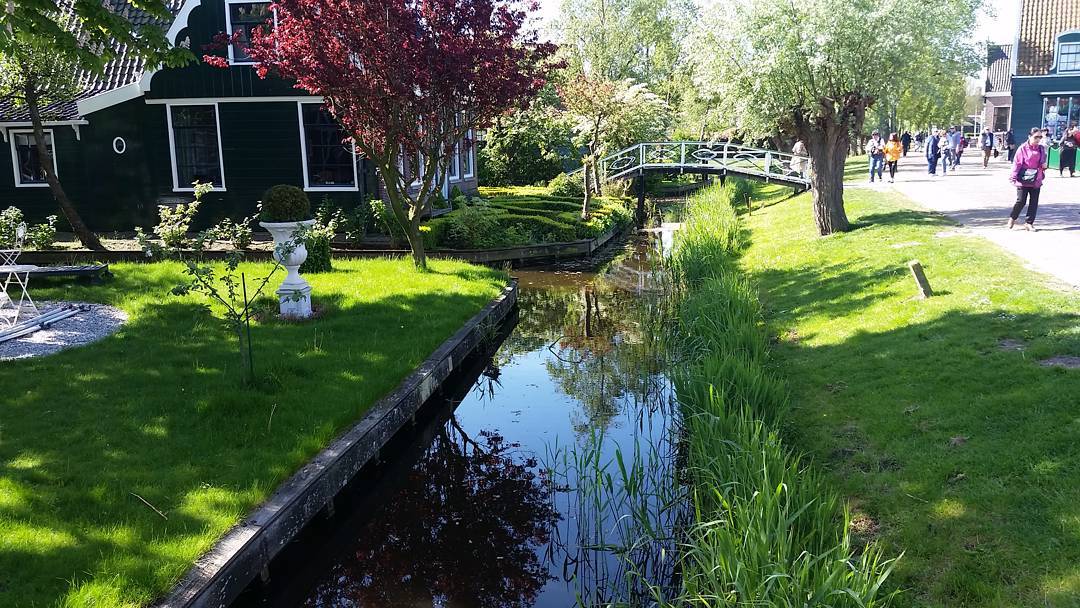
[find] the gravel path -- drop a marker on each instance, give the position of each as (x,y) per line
(86,327)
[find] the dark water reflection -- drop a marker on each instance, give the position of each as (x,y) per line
(509,496)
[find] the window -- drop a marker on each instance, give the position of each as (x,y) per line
(1001,118)
(329,160)
(467,156)
(29,170)
(1059,113)
(1068,57)
(242,18)
(196,146)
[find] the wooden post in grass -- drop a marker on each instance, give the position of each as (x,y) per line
(920,279)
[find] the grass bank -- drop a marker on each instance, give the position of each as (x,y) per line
(522,215)
(934,416)
(157,413)
(767,530)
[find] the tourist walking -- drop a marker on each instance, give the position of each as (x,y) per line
(1010,143)
(875,148)
(905,141)
(986,142)
(954,147)
(799,163)
(894,148)
(1070,141)
(920,139)
(933,151)
(1028,173)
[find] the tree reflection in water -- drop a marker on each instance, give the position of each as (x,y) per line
(464,531)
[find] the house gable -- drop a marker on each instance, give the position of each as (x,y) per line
(1042,22)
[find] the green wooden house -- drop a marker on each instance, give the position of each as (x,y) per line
(135,138)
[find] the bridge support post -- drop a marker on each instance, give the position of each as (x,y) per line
(640,215)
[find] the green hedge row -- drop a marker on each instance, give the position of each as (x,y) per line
(768,530)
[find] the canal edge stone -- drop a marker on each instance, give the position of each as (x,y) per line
(217,577)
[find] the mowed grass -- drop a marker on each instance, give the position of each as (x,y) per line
(158,411)
(958,452)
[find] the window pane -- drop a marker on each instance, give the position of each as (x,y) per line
(1069,57)
(329,157)
(245,17)
(31,169)
(196,141)
(466,158)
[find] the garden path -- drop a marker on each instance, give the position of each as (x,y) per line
(981,199)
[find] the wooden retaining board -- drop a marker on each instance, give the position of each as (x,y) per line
(527,253)
(218,577)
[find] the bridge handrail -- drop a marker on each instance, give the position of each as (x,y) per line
(691,155)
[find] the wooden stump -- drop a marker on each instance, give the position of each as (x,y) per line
(920,279)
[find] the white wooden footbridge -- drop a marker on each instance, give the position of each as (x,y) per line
(707,157)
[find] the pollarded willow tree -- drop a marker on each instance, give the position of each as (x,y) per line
(409,80)
(813,68)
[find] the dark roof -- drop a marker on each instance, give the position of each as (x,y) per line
(125,69)
(998,68)
(1040,23)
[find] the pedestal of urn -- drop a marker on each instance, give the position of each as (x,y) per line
(294,294)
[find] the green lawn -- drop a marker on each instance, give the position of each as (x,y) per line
(953,450)
(158,411)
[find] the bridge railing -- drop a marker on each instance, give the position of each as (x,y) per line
(691,155)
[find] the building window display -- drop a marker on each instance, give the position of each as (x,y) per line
(1059,113)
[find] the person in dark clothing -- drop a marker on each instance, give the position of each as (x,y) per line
(1010,144)
(905,141)
(933,152)
(1070,141)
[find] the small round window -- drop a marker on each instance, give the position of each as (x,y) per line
(119,145)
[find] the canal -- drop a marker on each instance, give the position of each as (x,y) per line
(543,476)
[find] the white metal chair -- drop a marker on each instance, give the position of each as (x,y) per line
(15,275)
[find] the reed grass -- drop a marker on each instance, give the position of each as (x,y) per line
(767,530)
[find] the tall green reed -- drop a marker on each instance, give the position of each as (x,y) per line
(767,529)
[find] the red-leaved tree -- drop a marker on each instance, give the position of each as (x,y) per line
(407,79)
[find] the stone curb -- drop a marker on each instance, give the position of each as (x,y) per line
(218,577)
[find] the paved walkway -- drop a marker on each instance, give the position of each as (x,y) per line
(981,199)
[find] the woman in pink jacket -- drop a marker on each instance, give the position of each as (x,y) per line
(1029,170)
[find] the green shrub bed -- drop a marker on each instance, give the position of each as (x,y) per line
(767,530)
(513,217)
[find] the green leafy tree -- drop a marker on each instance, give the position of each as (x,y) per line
(49,49)
(812,69)
(527,146)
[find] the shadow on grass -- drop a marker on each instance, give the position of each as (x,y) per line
(956,449)
(897,218)
(158,411)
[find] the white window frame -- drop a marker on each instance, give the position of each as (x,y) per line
(15,157)
(1057,52)
(303,159)
(172,146)
(229,28)
(455,165)
(1057,57)
(471,152)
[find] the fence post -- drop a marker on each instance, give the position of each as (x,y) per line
(768,164)
(682,153)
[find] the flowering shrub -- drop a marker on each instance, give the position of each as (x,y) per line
(317,239)
(10,219)
(42,236)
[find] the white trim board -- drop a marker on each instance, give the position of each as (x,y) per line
(205,101)
(1061,93)
(172,149)
(303,159)
(15,158)
(109,99)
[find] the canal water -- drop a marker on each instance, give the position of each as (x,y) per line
(542,478)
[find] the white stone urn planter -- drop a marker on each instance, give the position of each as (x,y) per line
(294,294)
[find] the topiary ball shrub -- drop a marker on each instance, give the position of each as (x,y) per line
(567,185)
(284,203)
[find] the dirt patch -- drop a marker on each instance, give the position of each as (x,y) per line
(906,244)
(1065,361)
(863,527)
(1012,345)
(957,441)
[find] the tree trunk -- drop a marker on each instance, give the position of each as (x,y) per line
(86,237)
(416,243)
(586,172)
(828,152)
(596,176)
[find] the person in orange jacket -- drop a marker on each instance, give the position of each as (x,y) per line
(893,151)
